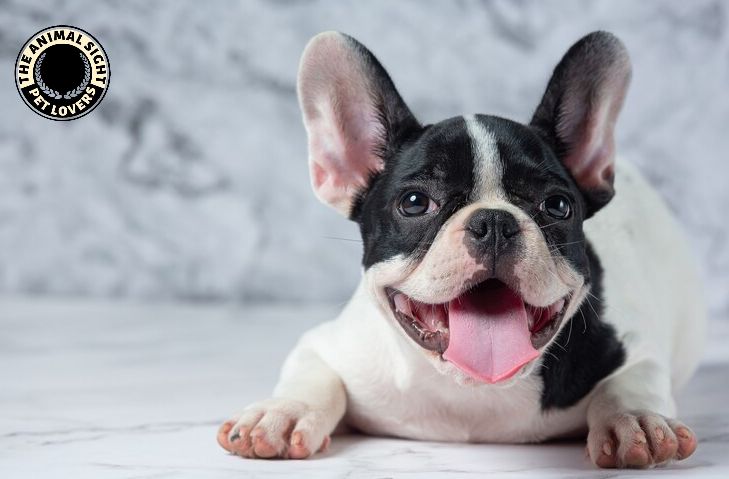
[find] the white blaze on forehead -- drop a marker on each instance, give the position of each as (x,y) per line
(488,169)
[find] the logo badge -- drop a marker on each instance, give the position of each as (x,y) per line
(62,73)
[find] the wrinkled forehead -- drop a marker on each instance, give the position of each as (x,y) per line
(482,155)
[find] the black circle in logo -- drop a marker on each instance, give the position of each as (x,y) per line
(62,72)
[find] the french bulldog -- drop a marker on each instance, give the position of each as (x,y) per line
(518,283)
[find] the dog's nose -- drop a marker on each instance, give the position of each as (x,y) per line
(491,225)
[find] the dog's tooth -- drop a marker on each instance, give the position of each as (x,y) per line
(437,317)
(402,304)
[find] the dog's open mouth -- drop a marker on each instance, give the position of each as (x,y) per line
(489,331)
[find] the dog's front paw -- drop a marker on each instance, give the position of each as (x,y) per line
(275,428)
(638,439)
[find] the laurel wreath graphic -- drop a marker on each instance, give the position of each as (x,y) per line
(70,94)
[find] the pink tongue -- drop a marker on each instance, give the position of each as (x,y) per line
(489,334)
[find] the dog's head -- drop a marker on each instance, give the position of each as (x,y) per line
(472,227)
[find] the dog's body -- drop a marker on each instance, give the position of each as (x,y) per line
(406,397)
(478,269)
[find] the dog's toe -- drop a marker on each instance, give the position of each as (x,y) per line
(264,447)
(661,439)
(605,456)
(636,455)
(685,437)
(638,440)
(223,432)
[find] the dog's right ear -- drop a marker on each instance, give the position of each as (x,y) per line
(353,116)
(579,110)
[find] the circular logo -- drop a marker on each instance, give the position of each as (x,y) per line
(62,72)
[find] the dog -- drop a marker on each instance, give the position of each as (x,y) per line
(518,284)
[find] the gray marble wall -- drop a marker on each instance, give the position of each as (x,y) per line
(190,179)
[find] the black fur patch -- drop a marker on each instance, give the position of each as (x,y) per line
(437,161)
(573,368)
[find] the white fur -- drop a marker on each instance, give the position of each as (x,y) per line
(488,169)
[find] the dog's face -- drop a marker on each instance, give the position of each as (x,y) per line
(476,208)
(472,227)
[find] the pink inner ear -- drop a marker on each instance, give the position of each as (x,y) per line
(591,156)
(342,153)
(341,119)
(587,125)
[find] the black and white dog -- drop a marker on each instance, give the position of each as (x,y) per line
(506,296)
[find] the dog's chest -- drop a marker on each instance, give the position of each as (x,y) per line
(429,406)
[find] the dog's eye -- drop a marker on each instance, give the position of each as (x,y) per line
(416,203)
(557,206)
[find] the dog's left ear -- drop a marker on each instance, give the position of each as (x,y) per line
(353,116)
(579,110)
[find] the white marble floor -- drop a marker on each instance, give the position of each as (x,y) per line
(111,390)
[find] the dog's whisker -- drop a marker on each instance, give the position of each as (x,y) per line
(552,354)
(589,303)
(584,321)
(548,225)
(343,239)
(566,244)
(569,334)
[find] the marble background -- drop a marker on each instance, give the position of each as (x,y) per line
(190,181)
